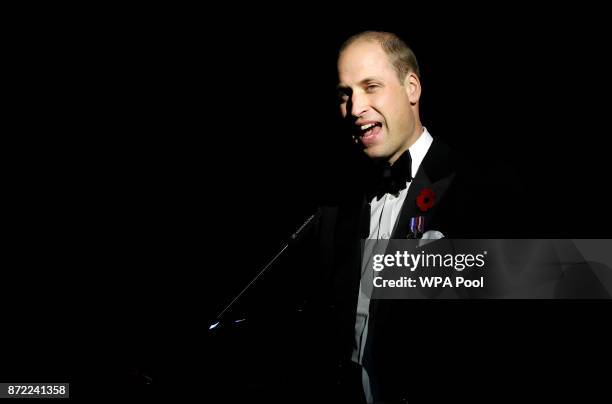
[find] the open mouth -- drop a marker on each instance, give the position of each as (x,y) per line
(369,130)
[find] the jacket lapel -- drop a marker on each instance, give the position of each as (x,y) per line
(353,225)
(435,172)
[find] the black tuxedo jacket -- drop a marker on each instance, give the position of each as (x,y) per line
(398,356)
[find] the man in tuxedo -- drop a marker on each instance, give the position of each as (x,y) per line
(415,186)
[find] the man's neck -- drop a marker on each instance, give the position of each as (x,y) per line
(418,132)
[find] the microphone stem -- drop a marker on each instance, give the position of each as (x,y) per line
(293,238)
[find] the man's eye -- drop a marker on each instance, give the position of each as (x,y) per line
(371,88)
(342,97)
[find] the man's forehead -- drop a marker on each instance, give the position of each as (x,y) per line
(362,60)
(362,53)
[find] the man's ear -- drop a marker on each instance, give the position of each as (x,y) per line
(412,84)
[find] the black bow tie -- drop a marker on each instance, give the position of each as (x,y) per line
(391,179)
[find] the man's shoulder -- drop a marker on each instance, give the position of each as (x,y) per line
(485,194)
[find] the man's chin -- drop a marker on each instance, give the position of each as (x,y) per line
(375,152)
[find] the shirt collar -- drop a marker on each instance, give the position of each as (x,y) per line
(419,149)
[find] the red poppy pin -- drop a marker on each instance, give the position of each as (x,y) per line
(425,199)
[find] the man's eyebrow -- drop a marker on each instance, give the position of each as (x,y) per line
(368,80)
(362,82)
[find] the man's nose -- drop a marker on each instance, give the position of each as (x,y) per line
(359,105)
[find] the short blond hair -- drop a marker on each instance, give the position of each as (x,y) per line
(400,55)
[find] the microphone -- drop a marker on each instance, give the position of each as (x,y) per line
(295,235)
(292,239)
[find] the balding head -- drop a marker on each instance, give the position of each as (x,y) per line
(400,55)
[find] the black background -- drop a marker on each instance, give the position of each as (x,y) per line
(159,157)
